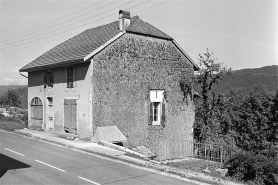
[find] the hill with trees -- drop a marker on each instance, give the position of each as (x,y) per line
(245,79)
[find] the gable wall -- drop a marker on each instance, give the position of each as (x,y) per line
(122,78)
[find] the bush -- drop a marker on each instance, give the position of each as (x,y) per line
(11,123)
(248,166)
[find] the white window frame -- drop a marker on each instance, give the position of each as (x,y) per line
(159,113)
(156,97)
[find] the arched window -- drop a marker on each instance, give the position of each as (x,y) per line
(36,101)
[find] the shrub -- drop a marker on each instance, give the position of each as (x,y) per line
(248,166)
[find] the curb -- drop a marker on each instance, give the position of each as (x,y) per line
(169,170)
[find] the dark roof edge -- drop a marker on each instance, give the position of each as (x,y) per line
(149,35)
(61,64)
(196,67)
(106,44)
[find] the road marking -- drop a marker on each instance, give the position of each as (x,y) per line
(88,180)
(50,165)
(14,151)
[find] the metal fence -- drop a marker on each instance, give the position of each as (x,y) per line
(178,149)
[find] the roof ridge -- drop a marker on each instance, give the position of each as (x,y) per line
(146,29)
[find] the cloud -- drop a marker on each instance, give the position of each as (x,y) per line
(13,81)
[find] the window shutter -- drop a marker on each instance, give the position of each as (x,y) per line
(163,117)
(151,113)
(51,79)
(44,79)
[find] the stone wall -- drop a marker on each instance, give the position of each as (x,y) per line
(123,74)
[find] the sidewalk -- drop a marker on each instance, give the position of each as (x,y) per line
(103,151)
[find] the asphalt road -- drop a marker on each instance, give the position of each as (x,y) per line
(30,161)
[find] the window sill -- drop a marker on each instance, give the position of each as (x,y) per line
(157,127)
(70,89)
(156,124)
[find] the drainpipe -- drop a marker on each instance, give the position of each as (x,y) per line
(23,75)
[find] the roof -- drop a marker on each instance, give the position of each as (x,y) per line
(75,49)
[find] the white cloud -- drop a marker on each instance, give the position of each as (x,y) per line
(12,81)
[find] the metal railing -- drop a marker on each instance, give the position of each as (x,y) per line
(178,149)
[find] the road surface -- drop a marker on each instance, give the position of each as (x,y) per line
(30,161)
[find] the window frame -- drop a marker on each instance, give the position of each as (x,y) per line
(156,113)
(157,108)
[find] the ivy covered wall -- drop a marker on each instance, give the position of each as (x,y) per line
(123,74)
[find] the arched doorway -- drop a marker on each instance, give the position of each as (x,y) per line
(36,113)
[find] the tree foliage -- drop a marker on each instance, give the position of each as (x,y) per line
(248,166)
(11,98)
(255,127)
(245,121)
(209,108)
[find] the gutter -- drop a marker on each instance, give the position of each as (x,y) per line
(23,75)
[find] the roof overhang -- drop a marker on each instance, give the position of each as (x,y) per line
(196,67)
(70,62)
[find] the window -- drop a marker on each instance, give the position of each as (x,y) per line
(48,79)
(36,101)
(70,77)
(50,101)
(157,108)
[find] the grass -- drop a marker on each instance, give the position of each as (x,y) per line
(204,166)
(11,123)
(195,164)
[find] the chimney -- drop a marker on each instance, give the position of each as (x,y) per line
(124,19)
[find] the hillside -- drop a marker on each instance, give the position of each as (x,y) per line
(246,79)
(23,96)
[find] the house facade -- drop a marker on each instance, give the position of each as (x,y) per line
(127,74)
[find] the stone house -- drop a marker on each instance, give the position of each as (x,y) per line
(126,73)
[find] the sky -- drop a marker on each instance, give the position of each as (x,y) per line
(240,33)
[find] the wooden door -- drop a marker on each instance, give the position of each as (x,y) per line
(36,113)
(70,121)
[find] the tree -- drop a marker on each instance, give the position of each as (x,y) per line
(256,126)
(211,105)
(11,98)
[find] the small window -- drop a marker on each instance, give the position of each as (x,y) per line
(157,108)
(70,77)
(50,101)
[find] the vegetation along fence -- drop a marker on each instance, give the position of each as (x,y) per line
(178,149)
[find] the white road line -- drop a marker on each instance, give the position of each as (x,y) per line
(89,180)
(14,151)
(50,165)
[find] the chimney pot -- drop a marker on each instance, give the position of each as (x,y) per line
(124,19)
